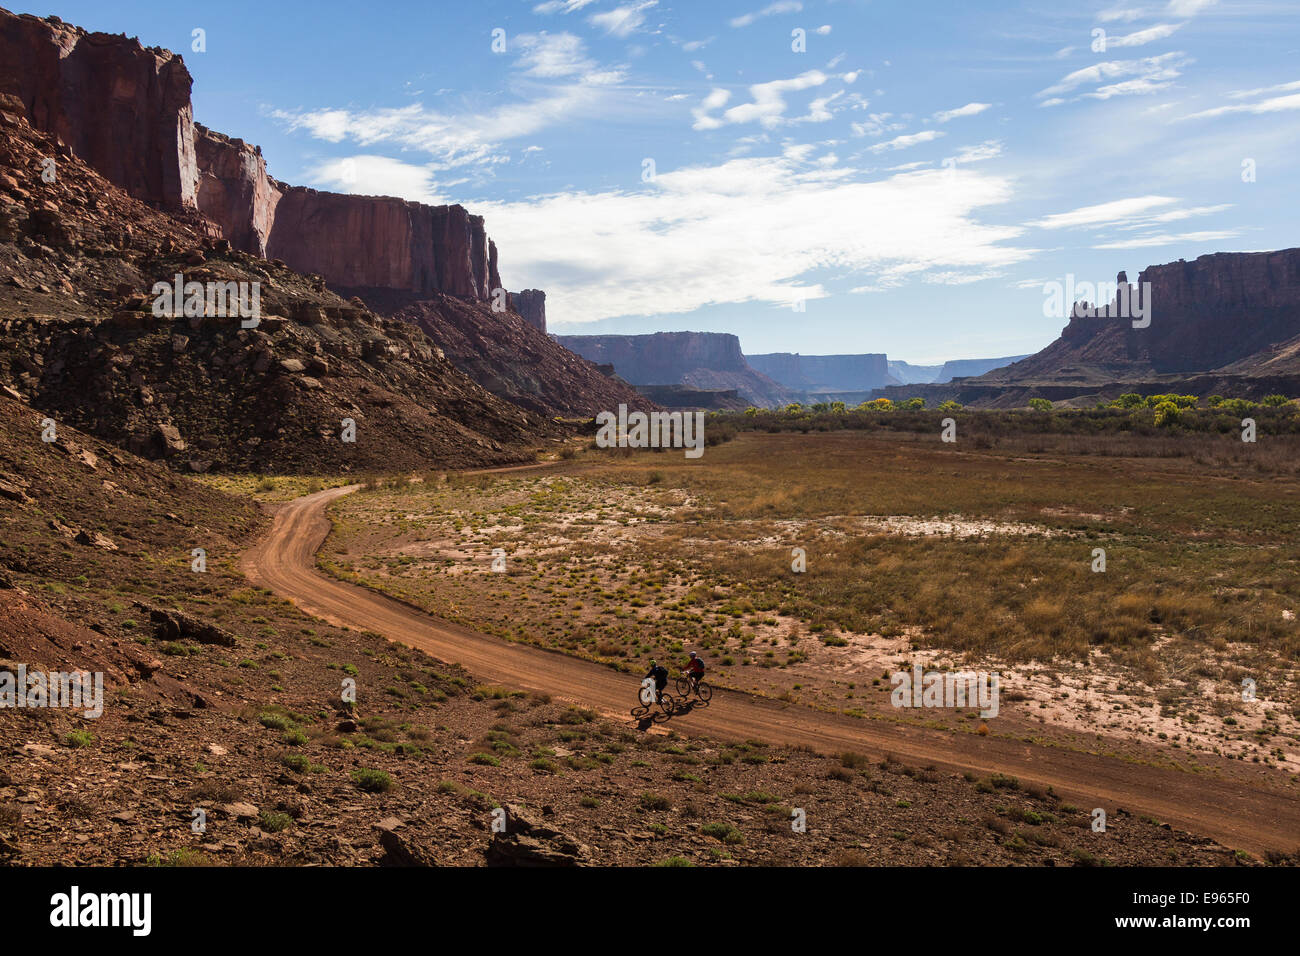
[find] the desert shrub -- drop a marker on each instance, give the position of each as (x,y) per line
(372,781)
(1167,414)
(1040,404)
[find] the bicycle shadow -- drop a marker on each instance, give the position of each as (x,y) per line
(647,716)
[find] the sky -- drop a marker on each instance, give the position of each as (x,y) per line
(815,176)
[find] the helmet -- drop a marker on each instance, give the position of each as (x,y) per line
(652,663)
(692,653)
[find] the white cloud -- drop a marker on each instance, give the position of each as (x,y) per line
(716,99)
(767,108)
(903,142)
(1143,37)
(877,124)
(1176,215)
(552,55)
(771,10)
(1188,8)
(989,149)
(1165,239)
(561,6)
(1127,15)
(367,175)
(1279,88)
(748,230)
(623,21)
(824,29)
(1149,74)
(471,137)
(1117,210)
(1276,104)
(970,109)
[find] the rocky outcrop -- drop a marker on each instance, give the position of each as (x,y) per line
(708,360)
(234,190)
(122,108)
(1226,323)
(531,306)
(825,373)
(1215,311)
(527,841)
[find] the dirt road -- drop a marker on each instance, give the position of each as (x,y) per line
(1251,809)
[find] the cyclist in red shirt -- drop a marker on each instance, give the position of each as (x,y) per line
(695,669)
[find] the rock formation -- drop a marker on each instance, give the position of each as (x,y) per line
(126,111)
(1227,323)
(825,373)
(531,306)
(707,360)
(122,108)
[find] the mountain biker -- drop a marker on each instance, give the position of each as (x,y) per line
(660,675)
(695,669)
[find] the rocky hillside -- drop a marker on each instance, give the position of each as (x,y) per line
(707,360)
(512,358)
(79,340)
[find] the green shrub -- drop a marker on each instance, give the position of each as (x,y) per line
(372,781)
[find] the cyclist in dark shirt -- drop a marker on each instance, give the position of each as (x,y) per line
(660,675)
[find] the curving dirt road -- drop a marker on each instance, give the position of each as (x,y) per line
(1254,815)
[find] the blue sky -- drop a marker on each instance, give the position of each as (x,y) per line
(912,177)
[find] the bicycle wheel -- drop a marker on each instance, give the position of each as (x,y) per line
(705,691)
(668,703)
(683,687)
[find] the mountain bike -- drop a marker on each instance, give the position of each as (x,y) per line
(686,686)
(666,703)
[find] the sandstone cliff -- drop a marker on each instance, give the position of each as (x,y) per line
(531,306)
(126,111)
(709,360)
(1226,323)
(122,108)
(825,373)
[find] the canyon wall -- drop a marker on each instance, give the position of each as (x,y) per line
(706,360)
(825,373)
(126,111)
(1214,311)
(122,108)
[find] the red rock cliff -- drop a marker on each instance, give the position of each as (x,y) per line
(122,108)
(125,110)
